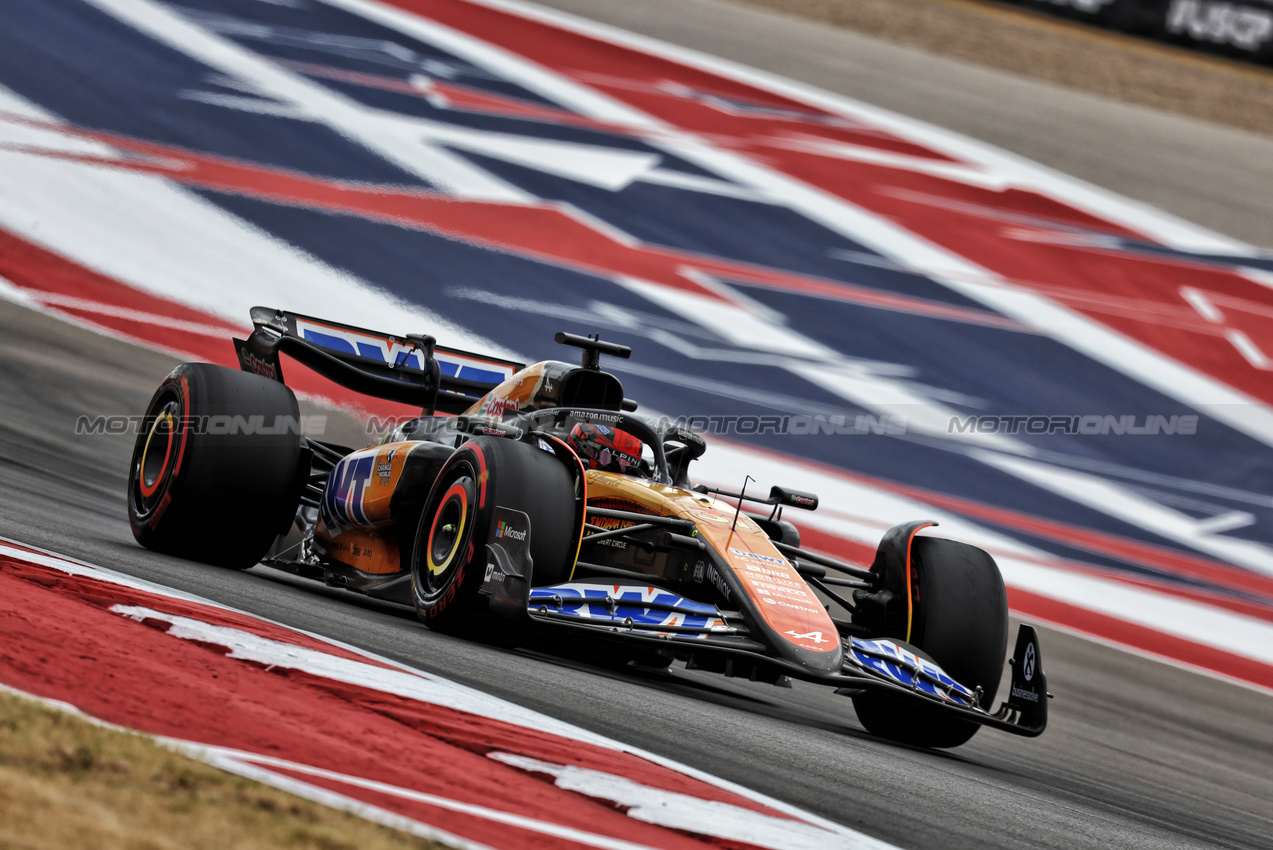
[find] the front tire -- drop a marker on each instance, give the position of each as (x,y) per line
(960,621)
(214,472)
(449,553)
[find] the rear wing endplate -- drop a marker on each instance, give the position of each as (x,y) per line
(411,370)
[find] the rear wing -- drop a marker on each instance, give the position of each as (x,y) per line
(412,370)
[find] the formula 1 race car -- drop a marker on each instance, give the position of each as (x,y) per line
(536,498)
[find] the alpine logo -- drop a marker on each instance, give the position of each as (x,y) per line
(816,637)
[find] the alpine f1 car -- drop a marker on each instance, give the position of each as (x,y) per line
(535,497)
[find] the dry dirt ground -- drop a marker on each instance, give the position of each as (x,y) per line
(1061,52)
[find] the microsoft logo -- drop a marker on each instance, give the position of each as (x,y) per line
(506,530)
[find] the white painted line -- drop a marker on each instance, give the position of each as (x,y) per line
(1248,349)
(1199,301)
(246,761)
(322,796)
(680,812)
(414,686)
(84,305)
(1225,522)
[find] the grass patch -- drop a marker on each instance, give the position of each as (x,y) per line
(66,782)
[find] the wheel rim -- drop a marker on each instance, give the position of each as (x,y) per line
(445,548)
(157,453)
(154,464)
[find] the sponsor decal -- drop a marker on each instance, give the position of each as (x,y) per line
(342,502)
(782,603)
(384,471)
(1027,666)
(252,363)
(775,590)
(387,350)
(758,557)
(496,407)
(770,573)
(1236,24)
(595,416)
(454,365)
(483,429)
(888,660)
(620,605)
(1022,693)
(816,637)
(505,530)
(611,542)
(718,582)
(770,579)
(722,517)
(609,523)
(494,574)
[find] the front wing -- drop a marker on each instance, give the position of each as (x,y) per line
(654,616)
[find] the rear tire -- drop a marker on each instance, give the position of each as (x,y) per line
(959,621)
(449,553)
(207,480)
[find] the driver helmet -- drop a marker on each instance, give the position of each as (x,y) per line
(605,448)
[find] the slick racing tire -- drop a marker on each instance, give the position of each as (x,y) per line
(214,475)
(448,557)
(959,621)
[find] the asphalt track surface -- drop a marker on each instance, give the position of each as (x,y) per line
(1138,754)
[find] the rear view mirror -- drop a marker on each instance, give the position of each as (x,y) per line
(787,497)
